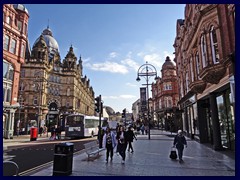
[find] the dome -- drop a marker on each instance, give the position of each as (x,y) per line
(50,41)
(20,7)
(109,110)
(168,64)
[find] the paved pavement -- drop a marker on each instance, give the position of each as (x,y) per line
(151,158)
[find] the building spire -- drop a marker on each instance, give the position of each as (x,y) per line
(48,24)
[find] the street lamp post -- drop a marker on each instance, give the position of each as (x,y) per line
(147,71)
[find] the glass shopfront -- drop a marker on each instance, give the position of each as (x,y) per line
(226,119)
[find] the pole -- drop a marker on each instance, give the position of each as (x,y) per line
(147,74)
(100,123)
(148,105)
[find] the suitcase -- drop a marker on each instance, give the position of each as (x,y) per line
(173,153)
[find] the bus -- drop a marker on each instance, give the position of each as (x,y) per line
(78,125)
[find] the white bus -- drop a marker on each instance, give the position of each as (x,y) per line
(78,125)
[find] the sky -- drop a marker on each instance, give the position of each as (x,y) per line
(113,40)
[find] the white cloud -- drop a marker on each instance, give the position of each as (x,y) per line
(113,55)
(124,96)
(153,59)
(108,66)
(127,96)
(131,84)
(131,63)
(86,60)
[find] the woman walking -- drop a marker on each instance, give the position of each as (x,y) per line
(109,143)
(122,143)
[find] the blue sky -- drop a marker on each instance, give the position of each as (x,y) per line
(114,40)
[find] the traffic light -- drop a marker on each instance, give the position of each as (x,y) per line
(124,113)
(97,104)
(61,117)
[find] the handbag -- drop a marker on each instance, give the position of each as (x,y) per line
(173,153)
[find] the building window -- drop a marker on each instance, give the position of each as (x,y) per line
(187,82)
(13,46)
(214,45)
(8,71)
(9,95)
(9,20)
(204,51)
(22,73)
(67,104)
(167,86)
(25,28)
(35,101)
(160,104)
(19,25)
(6,42)
(197,64)
(22,51)
(7,92)
(191,68)
(21,86)
(68,92)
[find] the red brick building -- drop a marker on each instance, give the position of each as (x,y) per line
(15,43)
(165,97)
(205,56)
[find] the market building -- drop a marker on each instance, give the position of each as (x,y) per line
(51,88)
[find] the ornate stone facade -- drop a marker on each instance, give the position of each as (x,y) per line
(52,87)
(165,97)
(205,55)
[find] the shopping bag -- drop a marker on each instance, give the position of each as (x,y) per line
(173,153)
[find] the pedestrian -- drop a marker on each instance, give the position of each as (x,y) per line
(122,143)
(117,131)
(129,137)
(40,131)
(45,130)
(146,129)
(109,143)
(179,142)
(142,128)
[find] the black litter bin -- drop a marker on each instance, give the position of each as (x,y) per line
(63,159)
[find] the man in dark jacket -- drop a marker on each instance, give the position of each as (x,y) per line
(129,137)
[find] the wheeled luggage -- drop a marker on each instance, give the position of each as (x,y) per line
(173,153)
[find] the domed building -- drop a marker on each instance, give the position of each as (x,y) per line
(52,88)
(165,97)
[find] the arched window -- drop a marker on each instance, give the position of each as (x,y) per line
(191,69)
(198,67)
(204,51)
(214,45)
(187,82)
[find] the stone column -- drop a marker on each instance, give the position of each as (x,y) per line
(10,124)
(217,144)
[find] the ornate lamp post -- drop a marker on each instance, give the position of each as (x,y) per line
(147,71)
